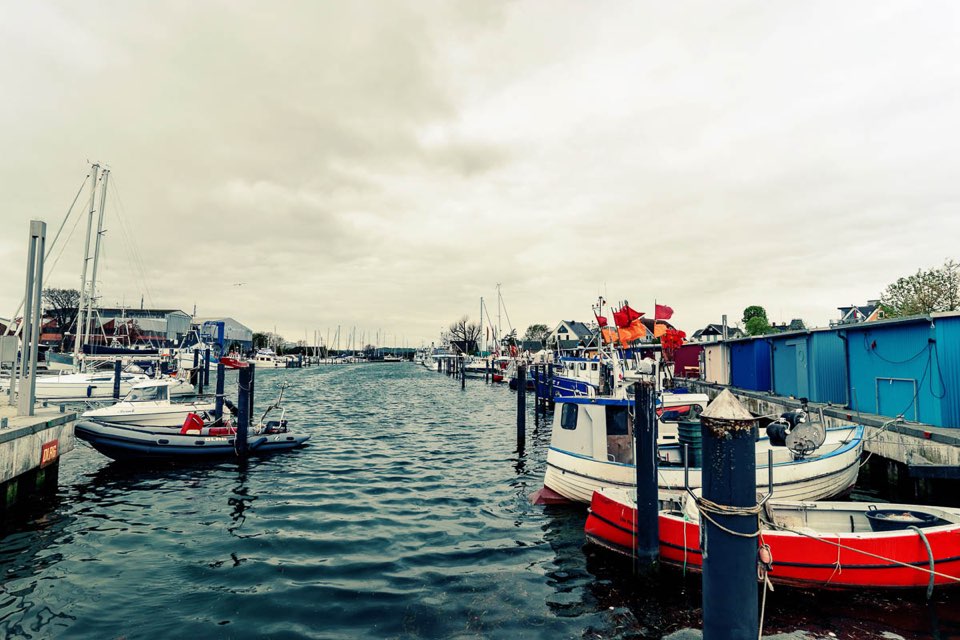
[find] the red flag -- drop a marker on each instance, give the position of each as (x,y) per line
(663,312)
(625,316)
(601,321)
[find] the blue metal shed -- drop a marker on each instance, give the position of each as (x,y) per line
(906,366)
(750,364)
(809,364)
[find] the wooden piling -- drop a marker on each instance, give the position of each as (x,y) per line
(218,410)
(729,540)
(646,552)
(463,373)
(521,406)
(206,367)
(117,368)
(244,404)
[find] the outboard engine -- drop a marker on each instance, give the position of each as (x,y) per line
(779,429)
(232,408)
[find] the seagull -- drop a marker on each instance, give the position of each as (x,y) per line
(239,284)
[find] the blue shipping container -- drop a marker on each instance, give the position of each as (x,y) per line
(750,364)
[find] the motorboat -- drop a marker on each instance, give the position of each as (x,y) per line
(148,404)
(834,545)
(267,359)
(196,439)
(592,444)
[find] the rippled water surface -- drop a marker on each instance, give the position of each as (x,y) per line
(405,517)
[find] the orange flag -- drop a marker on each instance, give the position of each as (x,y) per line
(659,330)
(635,331)
(609,335)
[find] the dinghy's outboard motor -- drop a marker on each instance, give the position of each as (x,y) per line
(806,438)
(779,429)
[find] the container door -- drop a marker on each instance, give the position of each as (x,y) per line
(897,396)
(803,386)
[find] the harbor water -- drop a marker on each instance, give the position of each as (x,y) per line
(407,516)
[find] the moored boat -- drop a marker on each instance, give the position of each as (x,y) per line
(148,404)
(591,447)
(837,545)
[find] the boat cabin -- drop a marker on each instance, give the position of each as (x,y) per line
(602,428)
(149,392)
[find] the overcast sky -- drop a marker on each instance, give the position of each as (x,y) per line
(386,164)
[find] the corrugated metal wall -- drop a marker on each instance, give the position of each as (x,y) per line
(827,368)
(686,361)
(750,364)
(716,363)
(946,368)
(889,370)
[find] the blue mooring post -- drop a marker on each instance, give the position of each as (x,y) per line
(646,552)
(521,406)
(116,379)
(206,367)
(218,410)
(536,393)
(253,381)
(194,377)
(244,392)
(730,609)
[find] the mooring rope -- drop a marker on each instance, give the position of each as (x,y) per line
(926,543)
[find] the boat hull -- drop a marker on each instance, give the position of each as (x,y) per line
(833,474)
(128,442)
(801,560)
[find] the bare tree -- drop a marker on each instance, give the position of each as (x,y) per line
(61,305)
(464,333)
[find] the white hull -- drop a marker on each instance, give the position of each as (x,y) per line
(148,414)
(832,473)
(79,386)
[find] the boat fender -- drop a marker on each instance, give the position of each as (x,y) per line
(777,432)
(193,423)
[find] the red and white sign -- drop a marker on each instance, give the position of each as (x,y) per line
(49,453)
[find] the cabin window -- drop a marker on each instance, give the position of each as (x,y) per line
(616,421)
(583,366)
(147,394)
(593,366)
(568,417)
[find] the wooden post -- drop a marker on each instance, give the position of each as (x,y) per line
(253,380)
(116,378)
(646,550)
(463,373)
(206,367)
(536,391)
(244,404)
(521,406)
(199,372)
(218,410)
(729,468)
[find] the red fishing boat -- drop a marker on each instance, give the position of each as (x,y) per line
(836,545)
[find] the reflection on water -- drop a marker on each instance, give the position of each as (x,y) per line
(406,517)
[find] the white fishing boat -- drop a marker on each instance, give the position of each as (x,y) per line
(592,446)
(148,404)
(267,359)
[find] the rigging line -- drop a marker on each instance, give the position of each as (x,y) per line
(48,272)
(133,249)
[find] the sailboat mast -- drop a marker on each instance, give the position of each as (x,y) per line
(78,331)
(483,338)
(96,251)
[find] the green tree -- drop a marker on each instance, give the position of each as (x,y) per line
(754,311)
(758,326)
(936,289)
(537,332)
(260,340)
